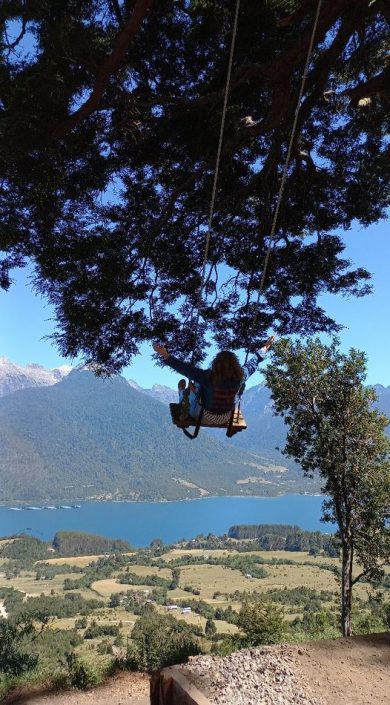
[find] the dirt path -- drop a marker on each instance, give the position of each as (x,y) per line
(353,671)
(123,689)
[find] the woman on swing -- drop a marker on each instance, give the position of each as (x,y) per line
(214,389)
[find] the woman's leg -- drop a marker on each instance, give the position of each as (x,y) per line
(181,387)
(189,398)
(193,399)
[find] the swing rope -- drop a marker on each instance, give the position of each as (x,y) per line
(285,168)
(216,174)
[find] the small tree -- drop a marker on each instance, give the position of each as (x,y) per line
(115,599)
(160,640)
(157,547)
(13,660)
(334,429)
(262,621)
(210,629)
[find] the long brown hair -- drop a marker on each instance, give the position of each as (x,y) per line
(226,368)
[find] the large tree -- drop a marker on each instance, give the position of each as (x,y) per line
(109,119)
(334,430)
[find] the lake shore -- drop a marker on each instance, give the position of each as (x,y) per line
(141,522)
(24,505)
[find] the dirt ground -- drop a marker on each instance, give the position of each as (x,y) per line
(123,689)
(353,671)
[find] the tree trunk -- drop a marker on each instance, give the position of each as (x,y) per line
(346,586)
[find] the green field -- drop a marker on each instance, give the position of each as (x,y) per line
(303,570)
(214,583)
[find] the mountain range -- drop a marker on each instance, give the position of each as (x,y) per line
(85,437)
(14,377)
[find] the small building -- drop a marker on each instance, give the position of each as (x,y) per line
(172,607)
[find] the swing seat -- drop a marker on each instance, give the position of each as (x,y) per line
(233,422)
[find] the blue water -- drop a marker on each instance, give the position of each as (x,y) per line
(141,522)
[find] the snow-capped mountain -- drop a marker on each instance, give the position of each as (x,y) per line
(159,391)
(14,377)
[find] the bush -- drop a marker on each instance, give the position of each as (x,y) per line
(262,622)
(159,640)
(210,628)
(13,661)
(105,647)
(229,644)
(318,624)
(81,675)
(368,624)
(81,623)
(96,630)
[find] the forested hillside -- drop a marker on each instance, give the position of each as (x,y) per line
(266,433)
(89,437)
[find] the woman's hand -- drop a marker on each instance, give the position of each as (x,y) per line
(160,350)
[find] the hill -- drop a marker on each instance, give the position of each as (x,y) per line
(266,433)
(92,438)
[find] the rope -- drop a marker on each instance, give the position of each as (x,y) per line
(286,165)
(216,173)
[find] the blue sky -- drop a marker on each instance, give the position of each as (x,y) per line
(25,319)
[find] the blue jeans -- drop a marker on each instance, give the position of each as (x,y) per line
(193,400)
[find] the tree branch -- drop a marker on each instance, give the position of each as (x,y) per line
(378,84)
(117,11)
(121,43)
(19,38)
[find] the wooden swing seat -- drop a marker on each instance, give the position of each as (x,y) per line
(221,421)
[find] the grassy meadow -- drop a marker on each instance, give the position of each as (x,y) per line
(94,601)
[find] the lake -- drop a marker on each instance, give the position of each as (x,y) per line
(140,522)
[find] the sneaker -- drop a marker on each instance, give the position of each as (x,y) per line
(268,343)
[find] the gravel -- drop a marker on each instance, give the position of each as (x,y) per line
(261,676)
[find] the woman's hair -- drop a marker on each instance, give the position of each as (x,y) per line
(226,368)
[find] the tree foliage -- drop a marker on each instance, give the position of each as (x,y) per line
(81,543)
(160,640)
(110,117)
(13,659)
(334,429)
(262,622)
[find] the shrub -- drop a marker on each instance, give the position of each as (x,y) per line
(81,675)
(96,630)
(159,640)
(317,624)
(210,628)
(262,622)
(105,647)
(81,623)
(368,624)
(229,644)
(13,661)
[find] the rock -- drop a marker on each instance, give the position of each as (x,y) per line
(251,676)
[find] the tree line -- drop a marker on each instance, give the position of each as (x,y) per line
(279,537)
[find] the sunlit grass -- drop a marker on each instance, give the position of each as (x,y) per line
(27,583)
